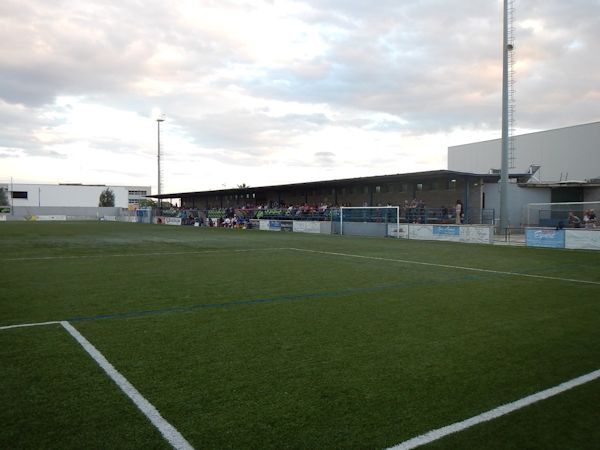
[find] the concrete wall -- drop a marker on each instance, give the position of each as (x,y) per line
(571,151)
(518,199)
(71,213)
(361,229)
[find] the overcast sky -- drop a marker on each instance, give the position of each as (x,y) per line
(266,92)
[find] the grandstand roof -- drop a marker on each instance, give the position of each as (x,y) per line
(490,177)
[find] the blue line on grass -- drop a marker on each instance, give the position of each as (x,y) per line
(280,298)
(294,297)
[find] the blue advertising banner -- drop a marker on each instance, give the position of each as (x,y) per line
(274,225)
(446,230)
(545,238)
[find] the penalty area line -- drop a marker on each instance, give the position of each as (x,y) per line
(449,266)
(500,411)
(168,431)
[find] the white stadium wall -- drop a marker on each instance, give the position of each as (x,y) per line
(571,152)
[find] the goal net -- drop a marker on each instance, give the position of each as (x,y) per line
(380,221)
(551,214)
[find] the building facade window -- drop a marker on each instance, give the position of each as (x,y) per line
(19,194)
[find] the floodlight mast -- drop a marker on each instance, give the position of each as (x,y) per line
(160,119)
(506,48)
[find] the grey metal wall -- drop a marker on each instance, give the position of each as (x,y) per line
(571,152)
(518,199)
(361,228)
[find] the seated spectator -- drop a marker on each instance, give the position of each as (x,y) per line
(574,221)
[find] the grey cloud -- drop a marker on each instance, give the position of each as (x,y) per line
(75,49)
(440,68)
(325,159)
(254,132)
(20,128)
(434,65)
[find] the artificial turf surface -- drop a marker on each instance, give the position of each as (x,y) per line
(242,339)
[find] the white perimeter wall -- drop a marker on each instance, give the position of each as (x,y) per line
(574,151)
(62,195)
(582,239)
(476,234)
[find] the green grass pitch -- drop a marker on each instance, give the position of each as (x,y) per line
(247,340)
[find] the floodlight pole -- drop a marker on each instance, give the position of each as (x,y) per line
(158,121)
(12,197)
(504,222)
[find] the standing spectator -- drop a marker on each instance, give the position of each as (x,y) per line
(458,209)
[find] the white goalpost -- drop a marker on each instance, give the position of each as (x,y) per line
(369,221)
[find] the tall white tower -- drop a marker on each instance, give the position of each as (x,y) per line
(508,109)
(160,119)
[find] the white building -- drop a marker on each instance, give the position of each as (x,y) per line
(558,166)
(563,154)
(71,195)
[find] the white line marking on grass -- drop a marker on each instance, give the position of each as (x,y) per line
(124,255)
(23,325)
(168,431)
(448,266)
(495,413)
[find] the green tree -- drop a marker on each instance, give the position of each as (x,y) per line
(147,203)
(3,197)
(243,186)
(107,198)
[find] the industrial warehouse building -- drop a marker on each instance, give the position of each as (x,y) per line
(554,166)
(71,195)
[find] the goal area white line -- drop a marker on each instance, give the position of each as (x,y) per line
(168,431)
(27,325)
(176,440)
(495,413)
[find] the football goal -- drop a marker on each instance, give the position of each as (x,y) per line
(380,221)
